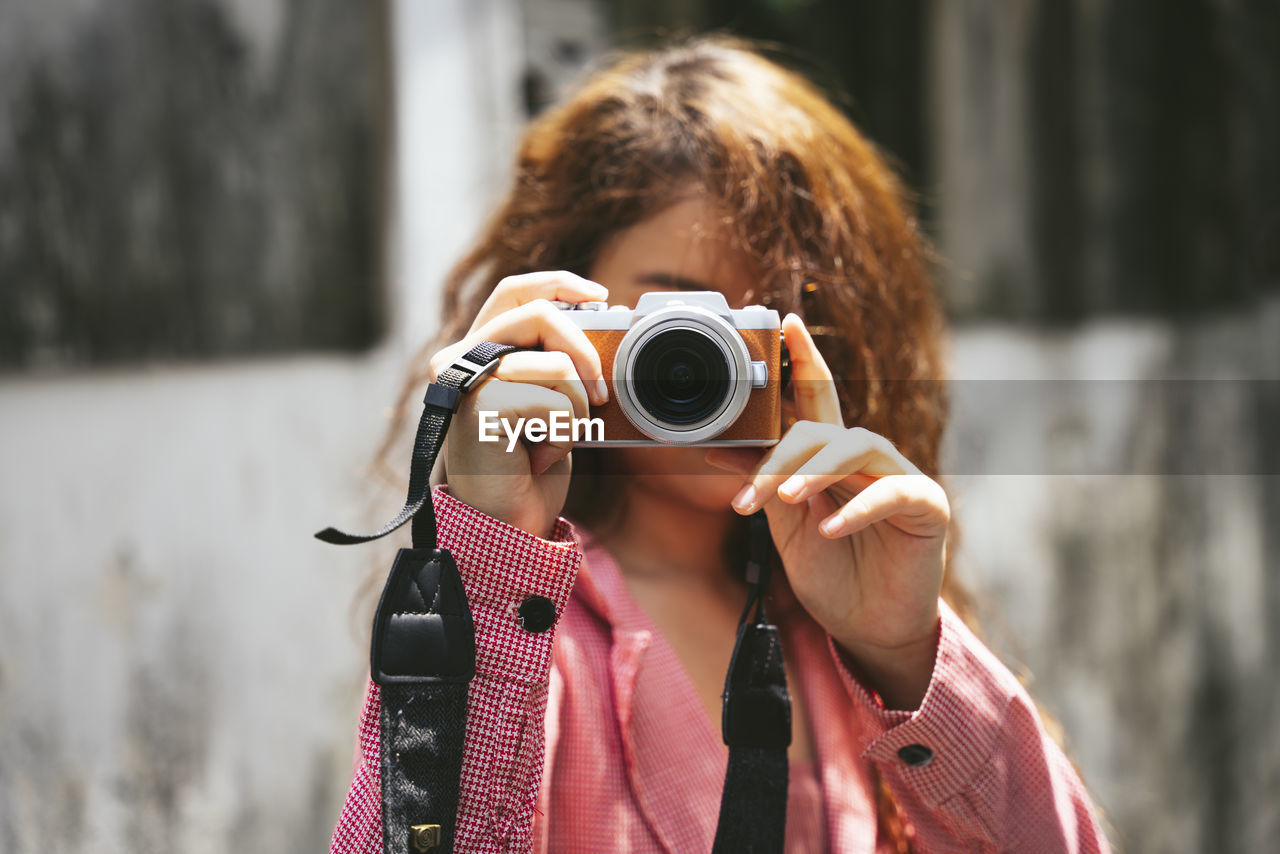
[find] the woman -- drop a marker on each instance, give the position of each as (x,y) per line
(707,167)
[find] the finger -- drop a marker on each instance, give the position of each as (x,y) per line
(856,452)
(811,383)
(539,324)
(515,291)
(802,441)
(913,503)
(553,370)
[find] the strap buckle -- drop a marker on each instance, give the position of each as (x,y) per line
(461,376)
(477,371)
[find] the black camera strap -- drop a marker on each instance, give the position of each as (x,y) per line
(423,656)
(756,721)
(439,404)
(423,651)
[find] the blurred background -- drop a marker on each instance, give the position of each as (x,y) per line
(223,227)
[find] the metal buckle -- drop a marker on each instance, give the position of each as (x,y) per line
(424,837)
(477,371)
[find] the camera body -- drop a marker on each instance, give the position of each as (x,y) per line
(683,368)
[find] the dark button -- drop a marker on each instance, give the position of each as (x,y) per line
(916,755)
(537,614)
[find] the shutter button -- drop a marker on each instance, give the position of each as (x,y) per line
(537,613)
(916,755)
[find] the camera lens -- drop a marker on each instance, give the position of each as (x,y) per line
(681,377)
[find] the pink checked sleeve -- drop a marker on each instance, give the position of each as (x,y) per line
(501,568)
(973,768)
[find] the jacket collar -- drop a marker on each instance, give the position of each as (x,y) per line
(676,786)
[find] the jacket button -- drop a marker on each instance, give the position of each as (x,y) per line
(916,755)
(537,614)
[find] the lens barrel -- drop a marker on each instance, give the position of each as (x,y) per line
(681,372)
(681,377)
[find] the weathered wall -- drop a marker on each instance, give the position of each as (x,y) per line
(1105,158)
(1103,182)
(1119,501)
(181,664)
(175,654)
(190,179)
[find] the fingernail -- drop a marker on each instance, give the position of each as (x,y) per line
(793,487)
(744,499)
(831,526)
(602,392)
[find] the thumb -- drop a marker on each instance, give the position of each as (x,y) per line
(811,382)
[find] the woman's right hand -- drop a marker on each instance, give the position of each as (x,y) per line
(526,486)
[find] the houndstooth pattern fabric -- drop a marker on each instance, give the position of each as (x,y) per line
(633,763)
(996,781)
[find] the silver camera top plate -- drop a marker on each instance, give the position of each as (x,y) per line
(620,317)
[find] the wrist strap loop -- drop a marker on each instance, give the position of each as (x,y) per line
(439,404)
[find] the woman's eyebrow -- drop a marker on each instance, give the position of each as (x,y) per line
(667,280)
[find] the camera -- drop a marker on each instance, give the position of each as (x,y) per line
(684,368)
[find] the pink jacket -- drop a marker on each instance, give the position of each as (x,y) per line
(634,764)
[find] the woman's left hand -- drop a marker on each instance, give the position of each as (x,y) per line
(860,530)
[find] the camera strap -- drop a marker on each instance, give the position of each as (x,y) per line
(756,719)
(423,651)
(422,657)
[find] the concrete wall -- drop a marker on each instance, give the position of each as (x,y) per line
(1100,185)
(181,664)
(1119,503)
